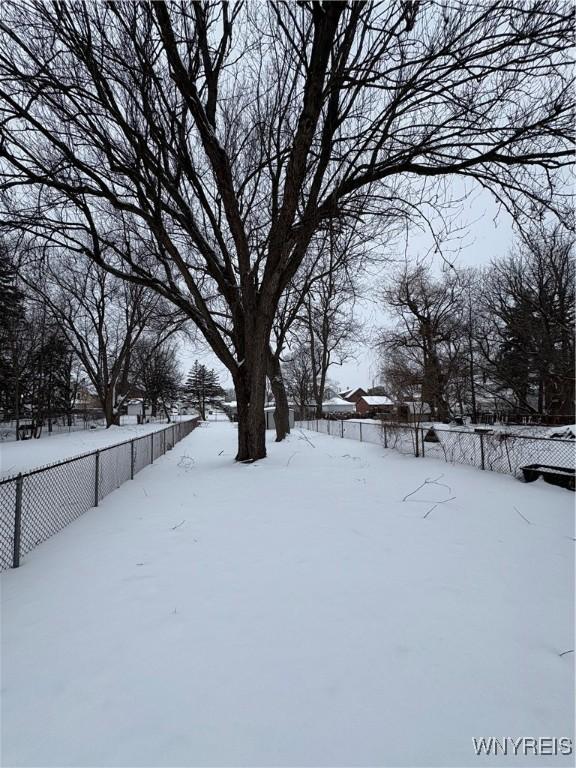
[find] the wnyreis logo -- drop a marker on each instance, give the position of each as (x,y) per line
(524,745)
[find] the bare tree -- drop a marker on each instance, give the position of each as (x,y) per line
(103,319)
(155,374)
(197,148)
(315,316)
(297,372)
(526,339)
(36,362)
(330,332)
(427,339)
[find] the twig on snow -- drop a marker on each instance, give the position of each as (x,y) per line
(428,481)
(430,510)
(565,652)
(179,524)
(521,515)
(307,440)
(415,490)
(444,501)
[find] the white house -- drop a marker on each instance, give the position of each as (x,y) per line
(338,405)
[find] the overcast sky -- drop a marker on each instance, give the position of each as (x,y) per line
(483,233)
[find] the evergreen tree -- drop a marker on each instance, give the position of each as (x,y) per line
(202,387)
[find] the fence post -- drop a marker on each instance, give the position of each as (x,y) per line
(360,431)
(328,426)
(17,522)
(97,479)
(132,460)
(416,441)
(385,435)
(422,436)
(482,451)
(342,428)
(152,448)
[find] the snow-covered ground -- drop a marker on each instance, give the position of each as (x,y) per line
(324,607)
(497,451)
(526,430)
(25,455)
(8,428)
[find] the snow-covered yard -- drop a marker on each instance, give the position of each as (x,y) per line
(296,611)
(25,455)
(497,451)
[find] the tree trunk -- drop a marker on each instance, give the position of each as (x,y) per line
(110,414)
(472,372)
(250,387)
(281,410)
(17,399)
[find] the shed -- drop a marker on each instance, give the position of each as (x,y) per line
(269,415)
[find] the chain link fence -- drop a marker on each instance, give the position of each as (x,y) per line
(496,451)
(37,504)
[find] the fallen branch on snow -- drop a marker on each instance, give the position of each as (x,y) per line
(430,481)
(521,515)
(307,439)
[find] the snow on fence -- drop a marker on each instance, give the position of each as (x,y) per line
(496,451)
(37,504)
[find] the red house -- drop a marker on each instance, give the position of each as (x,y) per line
(373,404)
(353,395)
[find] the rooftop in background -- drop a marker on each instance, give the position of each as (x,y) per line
(377,400)
(337,401)
(352,395)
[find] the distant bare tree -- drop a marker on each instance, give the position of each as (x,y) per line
(37,365)
(526,338)
(103,319)
(427,340)
(297,373)
(156,374)
(330,331)
(197,148)
(315,316)
(401,375)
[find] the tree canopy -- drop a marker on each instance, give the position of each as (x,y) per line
(196,148)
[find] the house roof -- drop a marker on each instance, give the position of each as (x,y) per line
(337,401)
(350,392)
(376,400)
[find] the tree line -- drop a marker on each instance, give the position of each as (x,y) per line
(220,157)
(494,338)
(70,329)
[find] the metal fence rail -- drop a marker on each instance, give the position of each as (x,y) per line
(37,504)
(496,451)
